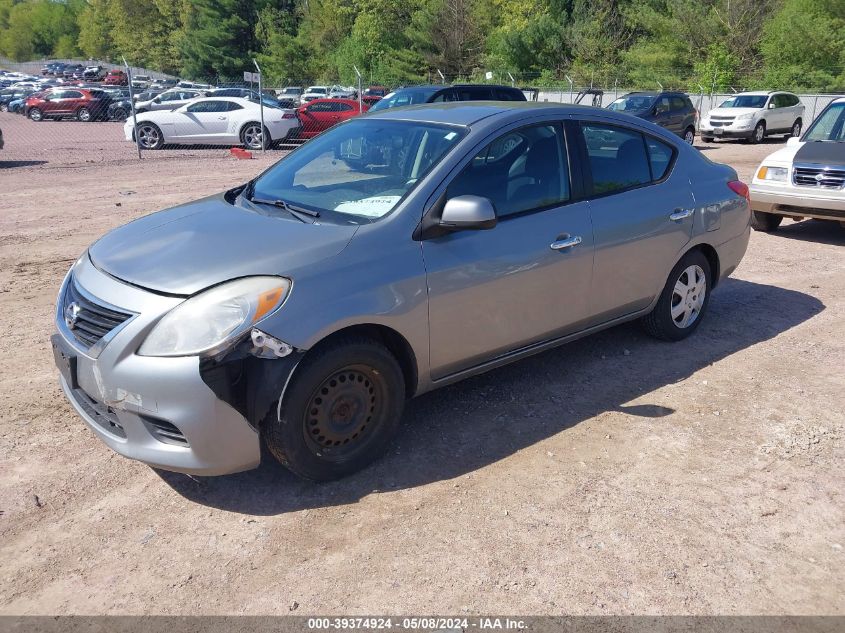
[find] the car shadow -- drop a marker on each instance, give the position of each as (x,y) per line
(817,231)
(469,425)
(11,164)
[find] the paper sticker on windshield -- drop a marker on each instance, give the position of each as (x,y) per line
(374,207)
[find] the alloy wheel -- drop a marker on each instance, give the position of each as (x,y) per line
(35,114)
(688,296)
(253,138)
(796,129)
(148,136)
(84,114)
(759,133)
(689,137)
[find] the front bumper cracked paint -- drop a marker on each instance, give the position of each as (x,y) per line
(138,389)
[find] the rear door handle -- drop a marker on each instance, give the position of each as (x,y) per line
(569,242)
(221,118)
(681,214)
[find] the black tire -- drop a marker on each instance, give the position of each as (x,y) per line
(119,114)
(765,222)
(35,114)
(340,411)
(248,132)
(689,135)
(4,107)
(796,128)
(150,134)
(85,115)
(759,133)
(706,139)
(660,322)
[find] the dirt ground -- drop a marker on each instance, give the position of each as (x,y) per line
(615,475)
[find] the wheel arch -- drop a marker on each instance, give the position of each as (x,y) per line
(395,342)
(712,257)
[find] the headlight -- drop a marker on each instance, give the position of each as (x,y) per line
(210,321)
(777,174)
(745,117)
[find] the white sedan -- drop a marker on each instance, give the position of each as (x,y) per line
(213,121)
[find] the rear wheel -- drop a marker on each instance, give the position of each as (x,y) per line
(4,107)
(339,412)
(84,115)
(35,114)
(252,136)
(150,136)
(689,136)
(766,222)
(119,114)
(684,299)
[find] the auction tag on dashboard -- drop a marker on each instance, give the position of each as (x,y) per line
(374,207)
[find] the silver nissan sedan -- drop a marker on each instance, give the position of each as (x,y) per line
(395,253)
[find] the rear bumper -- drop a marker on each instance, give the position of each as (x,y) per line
(790,201)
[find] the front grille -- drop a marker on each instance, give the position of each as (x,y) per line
(87,320)
(164,431)
(722,120)
(104,416)
(825,177)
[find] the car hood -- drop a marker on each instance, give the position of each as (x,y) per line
(735,112)
(185,249)
(784,156)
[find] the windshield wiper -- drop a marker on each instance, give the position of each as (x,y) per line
(300,213)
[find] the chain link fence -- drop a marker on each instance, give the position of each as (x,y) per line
(133,112)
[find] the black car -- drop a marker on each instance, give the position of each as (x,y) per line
(94,73)
(53,69)
(438,94)
(119,110)
(672,110)
(71,69)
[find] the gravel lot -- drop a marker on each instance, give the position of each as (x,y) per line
(614,475)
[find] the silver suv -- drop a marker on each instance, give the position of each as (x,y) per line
(387,257)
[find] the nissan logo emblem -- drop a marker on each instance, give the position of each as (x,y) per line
(72,314)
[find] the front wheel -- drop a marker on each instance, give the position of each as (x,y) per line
(765,222)
(340,411)
(759,133)
(84,115)
(706,139)
(683,301)
(4,107)
(150,136)
(796,129)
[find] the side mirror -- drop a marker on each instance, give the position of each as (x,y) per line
(772,105)
(157,100)
(468,213)
(792,141)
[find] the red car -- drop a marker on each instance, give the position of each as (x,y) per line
(116,78)
(80,103)
(320,114)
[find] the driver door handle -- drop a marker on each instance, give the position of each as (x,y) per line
(681,214)
(569,242)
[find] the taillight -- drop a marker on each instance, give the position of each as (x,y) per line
(740,189)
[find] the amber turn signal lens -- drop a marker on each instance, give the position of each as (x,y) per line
(761,174)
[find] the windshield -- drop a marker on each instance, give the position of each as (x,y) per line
(632,103)
(745,101)
(403,98)
(359,169)
(829,126)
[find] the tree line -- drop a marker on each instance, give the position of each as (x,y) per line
(794,44)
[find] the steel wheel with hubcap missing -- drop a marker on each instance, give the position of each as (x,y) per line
(252,136)
(683,302)
(149,136)
(340,410)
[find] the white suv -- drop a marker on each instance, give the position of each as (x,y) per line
(754,116)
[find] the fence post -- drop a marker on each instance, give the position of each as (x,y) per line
(569,79)
(132,105)
(264,141)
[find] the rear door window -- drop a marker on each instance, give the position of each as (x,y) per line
(617,158)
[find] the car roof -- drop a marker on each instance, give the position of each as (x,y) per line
(466,113)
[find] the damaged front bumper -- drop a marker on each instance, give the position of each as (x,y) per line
(185,414)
